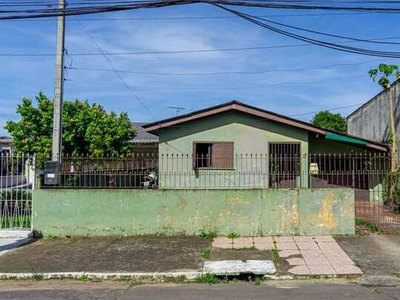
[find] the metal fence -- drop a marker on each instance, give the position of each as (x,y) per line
(134,171)
(365,173)
(16,184)
(359,171)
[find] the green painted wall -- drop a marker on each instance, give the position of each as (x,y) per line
(147,212)
(250,136)
(326,212)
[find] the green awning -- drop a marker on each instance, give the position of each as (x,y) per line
(344,138)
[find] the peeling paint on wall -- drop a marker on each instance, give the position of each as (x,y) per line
(145,212)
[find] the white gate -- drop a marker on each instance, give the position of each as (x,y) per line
(16,185)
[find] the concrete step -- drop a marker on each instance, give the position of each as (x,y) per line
(237,267)
(16,234)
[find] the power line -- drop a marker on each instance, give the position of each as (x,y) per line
(183,51)
(207,87)
(329,109)
(208,17)
(329,34)
(82,8)
(116,71)
(329,45)
(226,72)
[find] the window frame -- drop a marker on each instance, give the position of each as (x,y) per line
(194,155)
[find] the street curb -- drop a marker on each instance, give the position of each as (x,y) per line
(189,275)
(100,275)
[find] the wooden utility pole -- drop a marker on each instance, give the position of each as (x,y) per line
(59,85)
(393,137)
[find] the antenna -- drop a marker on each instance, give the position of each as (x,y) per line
(177,109)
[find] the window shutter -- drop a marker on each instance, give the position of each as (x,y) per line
(222,155)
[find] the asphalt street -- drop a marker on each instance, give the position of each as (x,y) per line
(280,290)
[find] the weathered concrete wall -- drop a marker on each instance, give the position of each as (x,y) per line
(326,212)
(146,212)
(371,121)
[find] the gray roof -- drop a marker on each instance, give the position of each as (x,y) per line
(5,140)
(143,137)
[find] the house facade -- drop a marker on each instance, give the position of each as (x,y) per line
(234,145)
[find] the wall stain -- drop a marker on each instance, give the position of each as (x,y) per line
(326,213)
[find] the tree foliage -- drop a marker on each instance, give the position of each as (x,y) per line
(330,121)
(87,129)
(384,72)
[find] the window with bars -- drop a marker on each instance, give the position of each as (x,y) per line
(213,155)
(284,164)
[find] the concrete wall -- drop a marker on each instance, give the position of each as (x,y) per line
(147,212)
(371,121)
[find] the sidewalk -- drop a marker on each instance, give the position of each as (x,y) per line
(306,256)
(377,255)
(299,256)
(110,255)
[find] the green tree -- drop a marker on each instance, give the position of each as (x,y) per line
(87,129)
(328,120)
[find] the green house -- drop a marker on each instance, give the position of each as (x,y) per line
(235,145)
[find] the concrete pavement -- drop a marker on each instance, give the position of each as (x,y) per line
(109,255)
(377,255)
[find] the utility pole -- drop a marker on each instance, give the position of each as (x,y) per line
(59,85)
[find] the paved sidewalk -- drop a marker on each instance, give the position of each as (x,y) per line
(302,256)
(107,255)
(307,256)
(377,255)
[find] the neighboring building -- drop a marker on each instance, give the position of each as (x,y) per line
(144,141)
(5,143)
(234,145)
(371,120)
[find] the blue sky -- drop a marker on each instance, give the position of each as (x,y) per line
(294,93)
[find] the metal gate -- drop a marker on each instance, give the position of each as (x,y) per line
(16,185)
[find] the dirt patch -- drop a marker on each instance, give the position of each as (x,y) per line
(282,265)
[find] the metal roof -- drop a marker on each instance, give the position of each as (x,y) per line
(143,137)
(5,140)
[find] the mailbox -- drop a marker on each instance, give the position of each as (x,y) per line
(51,173)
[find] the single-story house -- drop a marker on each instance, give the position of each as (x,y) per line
(235,145)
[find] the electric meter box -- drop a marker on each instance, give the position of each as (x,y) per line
(51,173)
